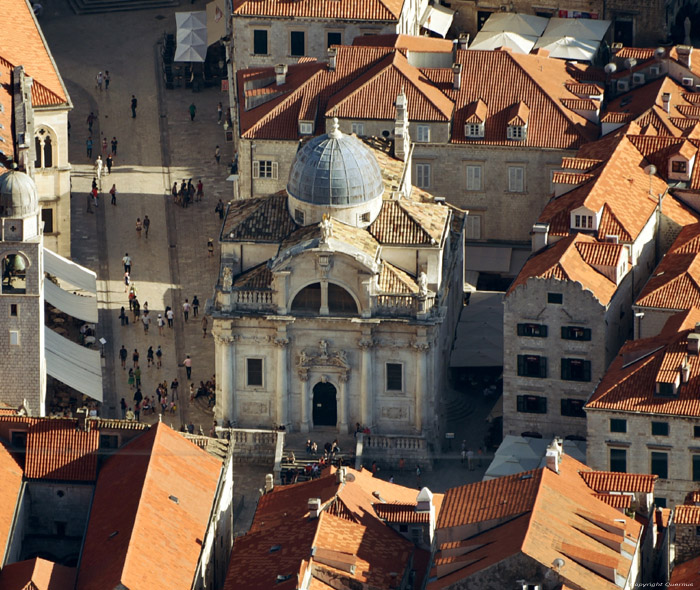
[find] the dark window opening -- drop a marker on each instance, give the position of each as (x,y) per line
(534,330)
(340,301)
(679,166)
(696,467)
(260,42)
(254,372)
(14,274)
(394,377)
(618,460)
(696,431)
(660,502)
(555,298)
(659,428)
(48,153)
(573,407)
(532,366)
(659,464)
(334,39)
(618,425)
(109,441)
(308,300)
(47,219)
(532,404)
(575,333)
(575,370)
(14,313)
(297,43)
(19,440)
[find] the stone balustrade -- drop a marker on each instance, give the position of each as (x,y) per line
(402,305)
(252,445)
(252,299)
(388,449)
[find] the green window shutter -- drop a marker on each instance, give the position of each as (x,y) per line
(521,364)
(543,366)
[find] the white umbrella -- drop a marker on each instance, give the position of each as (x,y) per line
(190,53)
(569,48)
(581,28)
(191,20)
(192,37)
(512,22)
(493,40)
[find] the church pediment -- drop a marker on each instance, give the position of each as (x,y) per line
(323,359)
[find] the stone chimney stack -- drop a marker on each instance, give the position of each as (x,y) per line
(269,482)
(553,456)
(402,140)
(463,40)
(457,80)
(281,74)
(540,236)
(684,54)
(314,506)
(666,100)
(332,56)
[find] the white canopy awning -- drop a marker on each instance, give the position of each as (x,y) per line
(493,40)
(569,48)
(191,36)
(193,53)
(580,28)
(512,22)
(78,306)
(72,364)
(191,20)
(437,19)
(69,271)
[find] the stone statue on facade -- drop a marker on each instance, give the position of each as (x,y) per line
(423,284)
(227,279)
(326,229)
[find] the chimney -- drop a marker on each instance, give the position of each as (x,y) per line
(666,99)
(424,500)
(269,482)
(332,55)
(314,506)
(615,47)
(540,236)
(553,456)
(463,40)
(402,141)
(685,371)
(697,328)
(693,344)
(684,54)
(340,475)
(457,82)
(281,74)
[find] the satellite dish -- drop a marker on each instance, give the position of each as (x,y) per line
(610,68)
(558,563)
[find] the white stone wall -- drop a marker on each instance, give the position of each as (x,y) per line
(281,151)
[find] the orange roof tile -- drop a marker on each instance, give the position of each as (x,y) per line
(418,44)
(662,516)
(580,89)
(678,212)
(258,277)
(409,222)
(585,164)
(10,485)
(395,281)
(675,283)
(580,104)
(687,514)
(23,44)
(37,574)
(56,449)
(519,114)
(404,513)
(610,481)
(262,219)
(476,112)
(382,10)
(571,177)
(616,500)
(643,53)
(601,253)
(153,498)
(686,574)
(7,150)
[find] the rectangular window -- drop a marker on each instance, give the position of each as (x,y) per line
(618,460)
(659,428)
(423,175)
(264,169)
(394,377)
(474,130)
(423,133)
(534,330)
(696,431)
(18,438)
(365,218)
(473,178)
(260,42)
(14,312)
(679,166)
(575,333)
(47,220)
(358,128)
(334,38)
(575,370)
(696,467)
(532,404)
(660,502)
(618,425)
(306,128)
(296,43)
(299,216)
(557,298)
(516,132)
(583,221)
(254,372)
(473,227)
(516,179)
(14,338)
(531,365)
(666,389)
(659,464)
(573,407)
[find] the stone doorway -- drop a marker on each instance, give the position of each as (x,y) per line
(325,411)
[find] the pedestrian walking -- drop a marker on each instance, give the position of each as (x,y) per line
(149,357)
(130,416)
(123,317)
(134,104)
(204,326)
(137,309)
(98,168)
(170,315)
(173,387)
(174,191)
(90,120)
(195,306)
(210,247)
(418,473)
(123,406)
(126,261)
(186,309)
(146,321)
(464,451)
(200,191)
(88,147)
(160,322)
(130,379)
(127,280)
(100,78)
(135,358)
(219,113)
(104,145)
(191,190)
(193,111)
(94,195)
(217,154)
(187,363)
(159,356)
(107,79)
(109,161)
(220,209)
(113,191)
(122,355)
(139,226)
(138,396)
(114,146)
(146,225)
(137,377)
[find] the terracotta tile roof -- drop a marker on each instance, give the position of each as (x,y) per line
(610,481)
(263,219)
(37,574)
(156,494)
(403,513)
(10,485)
(571,177)
(418,44)
(662,517)
(540,514)
(111,424)
(476,112)
(693,497)
(581,104)
(56,449)
(601,253)
(678,212)
(363,10)
(617,118)
(519,114)
(643,53)
(585,164)
(7,148)
(629,384)
(258,277)
(406,221)
(686,574)
(395,281)
(563,261)
(586,90)
(687,241)
(359,238)
(687,514)
(23,44)
(675,283)
(616,500)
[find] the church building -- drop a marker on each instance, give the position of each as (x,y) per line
(338,298)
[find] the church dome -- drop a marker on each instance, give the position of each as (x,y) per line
(335,170)
(18,196)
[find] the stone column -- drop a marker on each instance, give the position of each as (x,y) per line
(225,359)
(324,297)
(420,387)
(366,383)
(282,390)
(343,402)
(305,401)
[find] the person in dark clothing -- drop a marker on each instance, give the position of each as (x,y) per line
(134,104)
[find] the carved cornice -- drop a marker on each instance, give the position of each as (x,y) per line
(420,346)
(366,343)
(226,338)
(281,342)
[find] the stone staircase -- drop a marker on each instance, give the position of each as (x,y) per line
(295,443)
(100,6)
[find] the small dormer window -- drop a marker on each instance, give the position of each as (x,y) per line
(666,389)
(679,166)
(583,221)
(474,130)
(422,133)
(358,129)
(517,132)
(305,128)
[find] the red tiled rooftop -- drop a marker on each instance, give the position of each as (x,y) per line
(10,485)
(686,574)
(37,574)
(616,500)
(418,44)
(610,481)
(687,514)
(363,10)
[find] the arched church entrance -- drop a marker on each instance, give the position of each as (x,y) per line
(325,406)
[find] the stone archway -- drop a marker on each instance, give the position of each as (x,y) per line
(325,406)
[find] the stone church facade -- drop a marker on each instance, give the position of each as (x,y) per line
(337,301)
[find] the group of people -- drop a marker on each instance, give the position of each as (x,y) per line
(160,401)
(187,193)
(206,390)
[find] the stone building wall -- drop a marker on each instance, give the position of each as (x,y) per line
(280,151)
(687,542)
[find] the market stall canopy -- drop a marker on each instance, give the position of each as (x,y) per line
(494,40)
(72,364)
(569,48)
(579,28)
(191,20)
(216,23)
(191,36)
(190,53)
(78,306)
(437,19)
(512,22)
(69,271)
